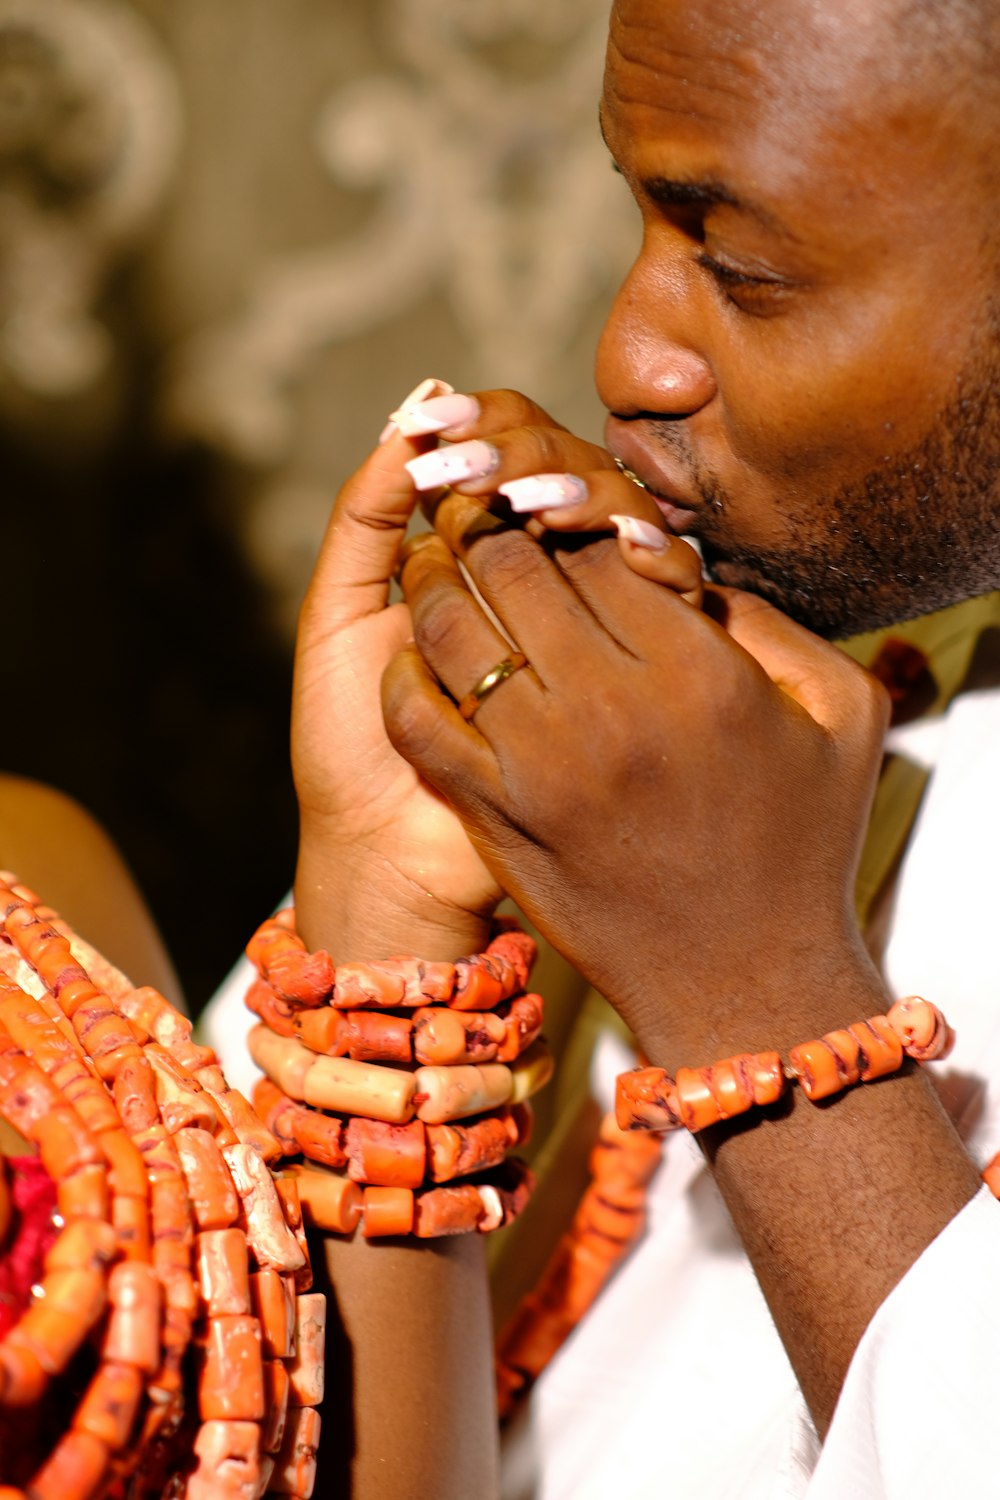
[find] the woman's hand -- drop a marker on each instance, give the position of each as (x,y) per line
(384,864)
(517,458)
(676,801)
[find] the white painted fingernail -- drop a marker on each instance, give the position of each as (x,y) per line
(461,461)
(418,418)
(544,492)
(422,392)
(641,533)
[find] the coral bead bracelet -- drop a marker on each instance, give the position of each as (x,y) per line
(393,1079)
(649,1099)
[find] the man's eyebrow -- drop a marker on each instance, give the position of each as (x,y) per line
(703,192)
(707,193)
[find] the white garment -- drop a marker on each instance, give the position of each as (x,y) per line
(676,1383)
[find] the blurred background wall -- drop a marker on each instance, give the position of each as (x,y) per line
(233,234)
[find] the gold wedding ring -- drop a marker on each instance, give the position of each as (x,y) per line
(490,680)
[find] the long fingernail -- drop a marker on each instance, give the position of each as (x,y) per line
(473,460)
(544,492)
(419,418)
(641,533)
(422,392)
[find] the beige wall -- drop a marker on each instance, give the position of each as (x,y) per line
(233,233)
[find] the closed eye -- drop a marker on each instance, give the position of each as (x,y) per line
(756,294)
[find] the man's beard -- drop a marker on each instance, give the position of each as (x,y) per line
(908,538)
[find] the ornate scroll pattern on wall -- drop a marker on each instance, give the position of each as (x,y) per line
(89,132)
(477,144)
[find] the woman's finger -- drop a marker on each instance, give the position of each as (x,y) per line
(660,557)
(480,465)
(360,550)
(455,415)
(604,500)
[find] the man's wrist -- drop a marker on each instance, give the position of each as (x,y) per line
(763,1011)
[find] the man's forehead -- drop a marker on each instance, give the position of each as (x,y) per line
(794,54)
(791,94)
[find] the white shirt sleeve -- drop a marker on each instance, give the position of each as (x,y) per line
(917,1414)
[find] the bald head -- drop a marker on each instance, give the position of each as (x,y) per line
(805,357)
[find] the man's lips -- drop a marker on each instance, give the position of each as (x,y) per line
(627,445)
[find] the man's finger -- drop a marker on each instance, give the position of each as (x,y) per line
(527,592)
(834,690)
(453,634)
(425,727)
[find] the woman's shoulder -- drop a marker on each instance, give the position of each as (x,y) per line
(59,849)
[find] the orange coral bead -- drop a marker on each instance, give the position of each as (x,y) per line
(75,1470)
(132,1335)
(295,1469)
(476,987)
(696,1103)
(24,1380)
(231,1378)
(222,1272)
(272,1298)
(646,1099)
(130,1218)
(328,1201)
(991,1175)
(85,1194)
(387,1210)
(305,1372)
(214,1201)
(276,1385)
(109,1404)
(880,1049)
(827,1065)
(86,1243)
(921,1027)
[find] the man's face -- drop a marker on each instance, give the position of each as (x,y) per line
(805,358)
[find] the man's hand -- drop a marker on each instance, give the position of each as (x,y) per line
(676,801)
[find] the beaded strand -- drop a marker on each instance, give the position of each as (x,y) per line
(649,1099)
(173,1310)
(393,1079)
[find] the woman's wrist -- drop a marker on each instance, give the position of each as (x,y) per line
(357,905)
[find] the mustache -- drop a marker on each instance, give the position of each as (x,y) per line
(672,437)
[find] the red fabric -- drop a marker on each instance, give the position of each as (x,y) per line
(33,1195)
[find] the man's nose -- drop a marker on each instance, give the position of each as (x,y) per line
(652,352)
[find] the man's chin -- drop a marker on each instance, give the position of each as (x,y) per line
(833,612)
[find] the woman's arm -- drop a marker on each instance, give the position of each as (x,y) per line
(385,868)
(62,852)
(410,1406)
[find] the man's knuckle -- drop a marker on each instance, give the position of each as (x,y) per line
(441,620)
(505,561)
(413,728)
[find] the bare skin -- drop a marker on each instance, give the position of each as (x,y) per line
(59,850)
(678,799)
(385,867)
